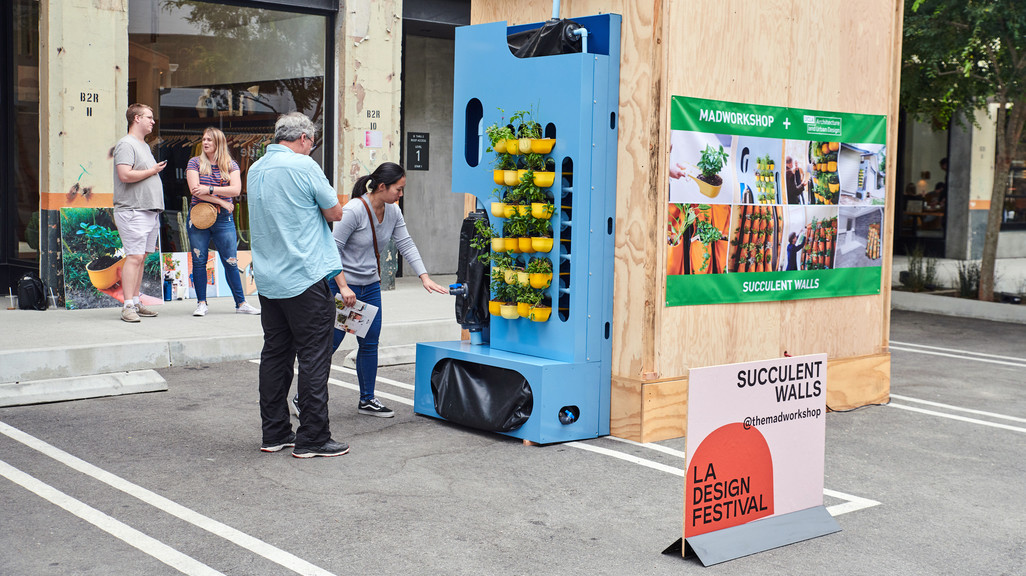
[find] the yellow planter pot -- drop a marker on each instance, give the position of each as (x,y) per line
(707,189)
(509,177)
(509,275)
(544,179)
(498,209)
(831,166)
(499,177)
(540,313)
(498,244)
(541,244)
(520,175)
(524,245)
(523,309)
(771,165)
(511,244)
(523,278)
(509,311)
(524,209)
(494,307)
(834,187)
(542,145)
(524,144)
(540,210)
(106,277)
(541,280)
(512,146)
(500,146)
(508,210)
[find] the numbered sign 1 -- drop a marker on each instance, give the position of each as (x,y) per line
(417,150)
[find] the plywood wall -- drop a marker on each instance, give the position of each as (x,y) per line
(828,55)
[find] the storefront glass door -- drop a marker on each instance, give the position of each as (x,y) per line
(19,165)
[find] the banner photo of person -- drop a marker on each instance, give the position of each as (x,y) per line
(770,203)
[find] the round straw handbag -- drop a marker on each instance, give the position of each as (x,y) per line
(203,215)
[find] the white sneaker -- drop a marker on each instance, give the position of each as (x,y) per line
(246,308)
(201,309)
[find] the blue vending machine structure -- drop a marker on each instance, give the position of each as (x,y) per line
(553,376)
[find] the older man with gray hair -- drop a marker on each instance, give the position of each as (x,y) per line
(294,257)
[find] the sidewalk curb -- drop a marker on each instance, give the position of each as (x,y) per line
(958,307)
(80,387)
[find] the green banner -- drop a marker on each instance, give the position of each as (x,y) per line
(719,117)
(772,203)
(771,286)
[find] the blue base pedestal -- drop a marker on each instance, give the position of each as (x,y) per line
(554,385)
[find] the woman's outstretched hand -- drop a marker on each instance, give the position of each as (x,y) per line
(431,286)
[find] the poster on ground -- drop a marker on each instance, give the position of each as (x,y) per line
(769,203)
(755,441)
(93,260)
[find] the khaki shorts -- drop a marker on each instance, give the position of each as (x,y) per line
(139,229)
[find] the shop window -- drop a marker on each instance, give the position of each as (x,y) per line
(22,140)
(235,68)
(1014,217)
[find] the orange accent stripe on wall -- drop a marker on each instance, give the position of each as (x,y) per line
(56,201)
(979,204)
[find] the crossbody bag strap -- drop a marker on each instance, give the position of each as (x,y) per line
(374,235)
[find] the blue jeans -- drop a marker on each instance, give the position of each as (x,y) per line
(367,350)
(223,233)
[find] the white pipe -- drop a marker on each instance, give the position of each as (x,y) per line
(583,33)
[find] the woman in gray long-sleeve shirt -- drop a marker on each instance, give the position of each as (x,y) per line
(360,278)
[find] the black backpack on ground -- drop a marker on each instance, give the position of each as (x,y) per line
(31,292)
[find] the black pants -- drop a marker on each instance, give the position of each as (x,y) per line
(301,327)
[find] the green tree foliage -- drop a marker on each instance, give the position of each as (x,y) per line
(958,56)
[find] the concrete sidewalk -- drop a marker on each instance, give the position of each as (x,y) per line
(67,354)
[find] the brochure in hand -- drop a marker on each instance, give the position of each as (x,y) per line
(354,319)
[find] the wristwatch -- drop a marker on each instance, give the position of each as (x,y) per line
(211,190)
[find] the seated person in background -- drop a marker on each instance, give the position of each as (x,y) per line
(935,201)
(937,198)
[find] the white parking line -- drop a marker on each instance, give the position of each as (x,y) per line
(853,503)
(116,528)
(241,539)
(395,383)
(962,356)
(959,351)
(957,417)
(629,458)
(651,446)
(958,408)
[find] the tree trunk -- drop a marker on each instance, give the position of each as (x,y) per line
(1009,132)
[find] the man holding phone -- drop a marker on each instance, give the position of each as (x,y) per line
(138,202)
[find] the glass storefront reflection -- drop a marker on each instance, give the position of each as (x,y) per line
(201,64)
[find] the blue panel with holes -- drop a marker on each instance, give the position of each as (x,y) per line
(575,98)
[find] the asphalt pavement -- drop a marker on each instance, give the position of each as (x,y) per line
(174,482)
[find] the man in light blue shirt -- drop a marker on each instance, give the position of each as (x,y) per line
(294,257)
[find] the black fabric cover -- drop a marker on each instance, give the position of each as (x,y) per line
(481,396)
(471,308)
(554,37)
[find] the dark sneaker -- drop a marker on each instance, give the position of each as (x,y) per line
(328,449)
(295,404)
(276,446)
(374,408)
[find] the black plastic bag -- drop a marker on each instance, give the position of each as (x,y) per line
(554,37)
(472,307)
(481,396)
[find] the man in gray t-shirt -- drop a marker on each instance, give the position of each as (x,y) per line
(138,202)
